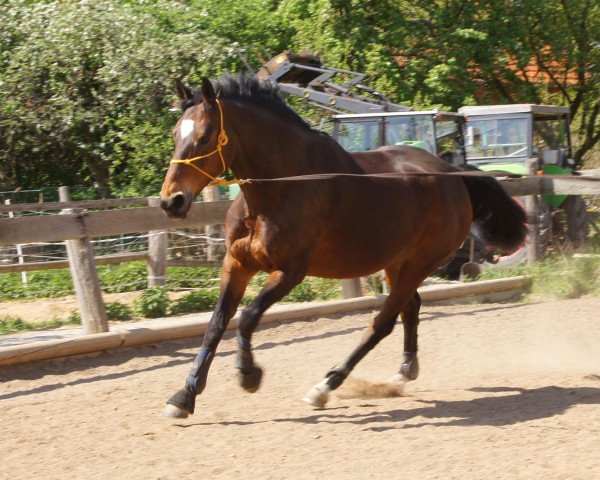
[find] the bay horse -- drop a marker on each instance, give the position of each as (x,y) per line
(311,210)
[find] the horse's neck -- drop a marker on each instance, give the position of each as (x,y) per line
(267,147)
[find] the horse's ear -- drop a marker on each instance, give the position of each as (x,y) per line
(208,92)
(183,92)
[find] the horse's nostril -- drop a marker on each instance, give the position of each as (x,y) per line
(176,202)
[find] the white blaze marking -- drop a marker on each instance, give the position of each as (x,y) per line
(187,127)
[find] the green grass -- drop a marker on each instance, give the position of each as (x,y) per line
(126,277)
(14,324)
(556,276)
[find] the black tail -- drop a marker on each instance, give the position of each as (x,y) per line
(497,219)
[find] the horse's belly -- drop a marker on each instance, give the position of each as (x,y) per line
(388,235)
(353,258)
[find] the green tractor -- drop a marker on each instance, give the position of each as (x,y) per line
(526,139)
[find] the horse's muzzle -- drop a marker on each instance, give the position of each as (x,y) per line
(177,205)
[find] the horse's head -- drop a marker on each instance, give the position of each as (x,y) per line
(199,138)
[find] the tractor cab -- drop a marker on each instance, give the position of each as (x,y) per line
(519,139)
(439,133)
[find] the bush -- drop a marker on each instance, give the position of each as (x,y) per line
(73,318)
(153,303)
(195,302)
(313,288)
(40,284)
(118,311)
(12,324)
(126,277)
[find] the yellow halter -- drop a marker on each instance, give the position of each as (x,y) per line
(222,140)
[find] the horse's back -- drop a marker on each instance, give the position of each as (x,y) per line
(401,158)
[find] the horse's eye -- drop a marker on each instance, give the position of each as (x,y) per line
(205,137)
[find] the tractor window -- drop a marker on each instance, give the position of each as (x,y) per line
(495,138)
(549,134)
(448,138)
(410,130)
(357,136)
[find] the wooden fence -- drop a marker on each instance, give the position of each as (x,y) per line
(77,226)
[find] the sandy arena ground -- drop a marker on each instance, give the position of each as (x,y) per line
(507,391)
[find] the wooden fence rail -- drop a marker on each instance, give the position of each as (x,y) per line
(55,228)
(55,264)
(80,225)
(77,225)
(79,204)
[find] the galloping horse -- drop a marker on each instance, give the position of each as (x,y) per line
(328,220)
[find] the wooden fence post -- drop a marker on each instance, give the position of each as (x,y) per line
(532,249)
(351,288)
(18,247)
(158,246)
(85,279)
(214,249)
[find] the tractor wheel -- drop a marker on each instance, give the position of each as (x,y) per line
(578,221)
(484,255)
(543,227)
(570,226)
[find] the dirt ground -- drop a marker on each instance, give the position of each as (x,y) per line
(507,391)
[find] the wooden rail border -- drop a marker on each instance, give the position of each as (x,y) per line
(176,329)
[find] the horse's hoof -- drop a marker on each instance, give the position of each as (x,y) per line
(318,395)
(250,378)
(171,411)
(410,368)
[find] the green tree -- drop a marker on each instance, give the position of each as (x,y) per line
(503,51)
(85,89)
(363,36)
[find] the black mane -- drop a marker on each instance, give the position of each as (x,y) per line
(246,87)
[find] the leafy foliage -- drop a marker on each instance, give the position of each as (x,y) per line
(313,288)
(196,301)
(40,284)
(556,276)
(126,277)
(118,311)
(153,303)
(14,324)
(85,89)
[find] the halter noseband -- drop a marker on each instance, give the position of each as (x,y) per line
(222,140)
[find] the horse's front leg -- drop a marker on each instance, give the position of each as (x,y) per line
(234,280)
(279,284)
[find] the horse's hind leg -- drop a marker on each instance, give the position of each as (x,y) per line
(234,279)
(278,285)
(409,370)
(382,326)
